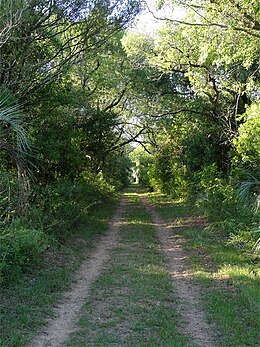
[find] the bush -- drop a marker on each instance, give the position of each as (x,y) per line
(63,206)
(19,248)
(221,199)
(247,142)
(54,212)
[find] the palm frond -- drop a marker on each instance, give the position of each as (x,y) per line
(250,191)
(14,140)
(11,115)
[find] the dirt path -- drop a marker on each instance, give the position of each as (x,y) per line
(57,331)
(194,322)
(193,325)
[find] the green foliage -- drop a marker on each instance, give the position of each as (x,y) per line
(88,90)
(247,142)
(249,196)
(12,124)
(228,208)
(168,176)
(8,195)
(55,213)
(203,146)
(249,192)
(217,196)
(68,68)
(50,38)
(20,247)
(61,155)
(68,75)
(62,206)
(206,138)
(14,150)
(28,300)
(143,163)
(117,170)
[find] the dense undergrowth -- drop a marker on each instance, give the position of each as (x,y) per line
(55,214)
(231,204)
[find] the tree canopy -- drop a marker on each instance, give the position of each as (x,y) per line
(89,86)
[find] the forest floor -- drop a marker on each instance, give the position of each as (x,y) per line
(148,283)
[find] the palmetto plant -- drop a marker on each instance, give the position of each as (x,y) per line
(249,191)
(14,142)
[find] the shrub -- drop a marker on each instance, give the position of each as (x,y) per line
(216,195)
(221,199)
(20,247)
(63,206)
(247,142)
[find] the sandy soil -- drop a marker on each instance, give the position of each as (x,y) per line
(193,317)
(57,330)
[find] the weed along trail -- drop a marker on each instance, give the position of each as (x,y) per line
(193,320)
(58,329)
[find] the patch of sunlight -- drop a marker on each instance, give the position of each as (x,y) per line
(156,194)
(202,274)
(140,222)
(131,194)
(177,202)
(246,278)
(180,221)
(241,273)
(151,269)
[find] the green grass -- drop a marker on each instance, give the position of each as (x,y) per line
(26,303)
(170,209)
(229,277)
(131,304)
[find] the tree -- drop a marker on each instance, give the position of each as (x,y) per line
(58,51)
(52,36)
(247,143)
(218,56)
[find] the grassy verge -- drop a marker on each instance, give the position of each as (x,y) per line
(26,303)
(131,304)
(229,277)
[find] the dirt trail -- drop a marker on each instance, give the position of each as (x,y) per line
(194,322)
(57,331)
(193,325)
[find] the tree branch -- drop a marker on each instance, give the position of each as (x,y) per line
(173,113)
(115,102)
(126,142)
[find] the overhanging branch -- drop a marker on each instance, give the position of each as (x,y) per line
(174,113)
(126,142)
